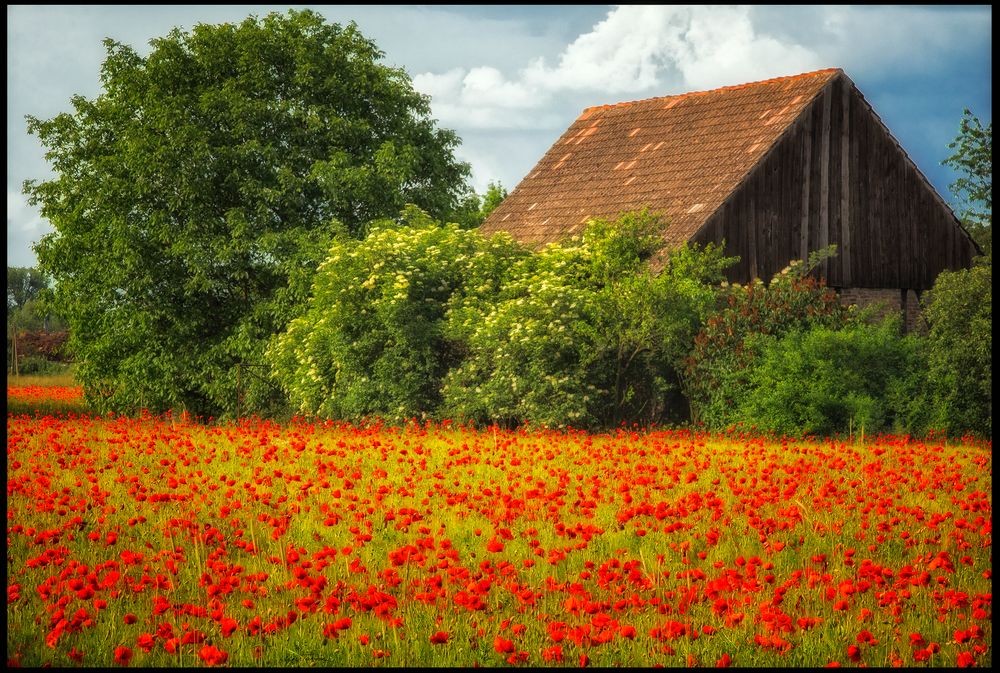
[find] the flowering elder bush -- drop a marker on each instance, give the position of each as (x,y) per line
(585,333)
(534,352)
(370,341)
(155,542)
(424,319)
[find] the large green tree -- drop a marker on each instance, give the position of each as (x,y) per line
(195,196)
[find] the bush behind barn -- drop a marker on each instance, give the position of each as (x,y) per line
(424,319)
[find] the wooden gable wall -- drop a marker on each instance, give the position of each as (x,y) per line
(837,176)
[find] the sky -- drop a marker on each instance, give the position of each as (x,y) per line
(510,79)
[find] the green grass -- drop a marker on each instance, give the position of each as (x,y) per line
(65,378)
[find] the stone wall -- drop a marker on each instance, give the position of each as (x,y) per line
(890,300)
(914,319)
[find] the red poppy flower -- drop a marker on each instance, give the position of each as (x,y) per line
(502,645)
(146,642)
(440,638)
(123,655)
(965,660)
(228,626)
(554,653)
(213,656)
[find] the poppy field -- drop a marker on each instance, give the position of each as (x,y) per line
(44,399)
(157,541)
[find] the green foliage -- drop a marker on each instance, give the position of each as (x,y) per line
(39,365)
(584,333)
(473,209)
(973,159)
(28,310)
(32,316)
(530,348)
(718,370)
(959,310)
(495,194)
(23,285)
(194,198)
(823,381)
(424,319)
(371,341)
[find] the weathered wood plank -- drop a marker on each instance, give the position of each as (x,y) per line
(857,182)
(859,185)
(815,189)
(806,173)
(753,238)
(833,275)
(824,180)
(845,185)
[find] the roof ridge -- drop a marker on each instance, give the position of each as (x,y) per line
(731,87)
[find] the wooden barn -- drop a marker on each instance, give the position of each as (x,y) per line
(776,169)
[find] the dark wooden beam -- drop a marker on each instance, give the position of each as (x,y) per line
(845,184)
(824,177)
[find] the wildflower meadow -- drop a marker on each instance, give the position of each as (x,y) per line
(159,541)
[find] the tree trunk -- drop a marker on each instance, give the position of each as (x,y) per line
(14,350)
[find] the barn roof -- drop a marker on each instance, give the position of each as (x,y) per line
(681,155)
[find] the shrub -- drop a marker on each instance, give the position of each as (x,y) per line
(585,333)
(370,341)
(718,367)
(959,311)
(420,319)
(824,381)
(39,365)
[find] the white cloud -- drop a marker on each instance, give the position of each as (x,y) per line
(721,47)
(634,50)
(487,86)
(24,228)
(446,85)
(622,53)
(22,216)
